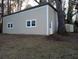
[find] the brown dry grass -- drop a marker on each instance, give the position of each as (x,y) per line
(38,47)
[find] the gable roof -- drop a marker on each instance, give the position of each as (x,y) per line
(32,8)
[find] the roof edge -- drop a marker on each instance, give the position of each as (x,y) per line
(32,8)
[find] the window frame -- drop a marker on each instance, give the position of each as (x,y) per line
(35,22)
(26,24)
(30,23)
(11,26)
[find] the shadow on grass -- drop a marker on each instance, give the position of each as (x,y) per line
(69,37)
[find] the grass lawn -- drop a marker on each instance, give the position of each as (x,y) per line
(38,47)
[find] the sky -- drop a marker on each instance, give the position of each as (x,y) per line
(30,2)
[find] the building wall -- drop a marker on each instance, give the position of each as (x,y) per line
(43,15)
(52,17)
(19,21)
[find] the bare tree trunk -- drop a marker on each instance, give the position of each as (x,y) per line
(19,4)
(9,5)
(61,17)
(2,13)
(2,8)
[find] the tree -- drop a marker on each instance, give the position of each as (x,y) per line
(70,14)
(9,6)
(2,13)
(2,8)
(61,17)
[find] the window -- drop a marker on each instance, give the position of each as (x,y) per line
(30,23)
(33,23)
(10,26)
